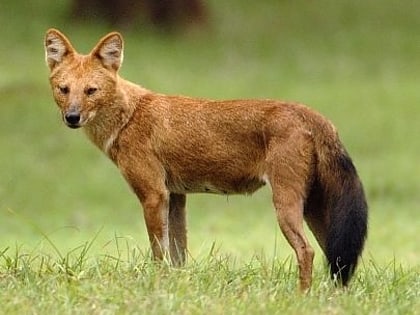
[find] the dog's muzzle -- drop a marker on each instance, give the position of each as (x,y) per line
(72,119)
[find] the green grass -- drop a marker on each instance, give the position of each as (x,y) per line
(73,239)
(215,283)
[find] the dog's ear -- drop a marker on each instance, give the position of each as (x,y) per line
(57,47)
(110,51)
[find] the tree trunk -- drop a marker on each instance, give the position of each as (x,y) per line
(165,14)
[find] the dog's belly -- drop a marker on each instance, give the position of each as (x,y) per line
(222,186)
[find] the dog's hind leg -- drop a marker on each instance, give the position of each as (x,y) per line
(289,211)
(317,223)
(177,229)
(289,172)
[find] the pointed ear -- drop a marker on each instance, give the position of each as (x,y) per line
(57,47)
(110,51)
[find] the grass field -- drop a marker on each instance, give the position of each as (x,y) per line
(73,240)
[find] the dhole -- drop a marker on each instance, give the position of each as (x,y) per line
(169,146)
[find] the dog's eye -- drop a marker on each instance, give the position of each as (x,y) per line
(64,89)
(90,91)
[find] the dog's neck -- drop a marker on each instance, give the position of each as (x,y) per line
(112,117)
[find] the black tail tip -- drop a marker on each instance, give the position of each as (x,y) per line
(341,273)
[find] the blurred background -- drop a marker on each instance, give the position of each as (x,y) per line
(357,62)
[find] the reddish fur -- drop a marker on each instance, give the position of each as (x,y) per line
(168,146)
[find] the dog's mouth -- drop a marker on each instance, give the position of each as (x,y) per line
(72,125)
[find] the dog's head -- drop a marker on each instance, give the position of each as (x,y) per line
(83,84)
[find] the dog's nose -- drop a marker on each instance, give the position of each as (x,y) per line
(72,119)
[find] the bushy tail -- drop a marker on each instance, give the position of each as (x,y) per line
(346,208)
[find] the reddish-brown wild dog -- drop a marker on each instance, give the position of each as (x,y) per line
(168,146)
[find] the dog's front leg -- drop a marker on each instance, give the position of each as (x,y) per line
(156,216)
(177,229)
(147,180)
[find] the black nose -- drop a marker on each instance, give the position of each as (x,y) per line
(72,119)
